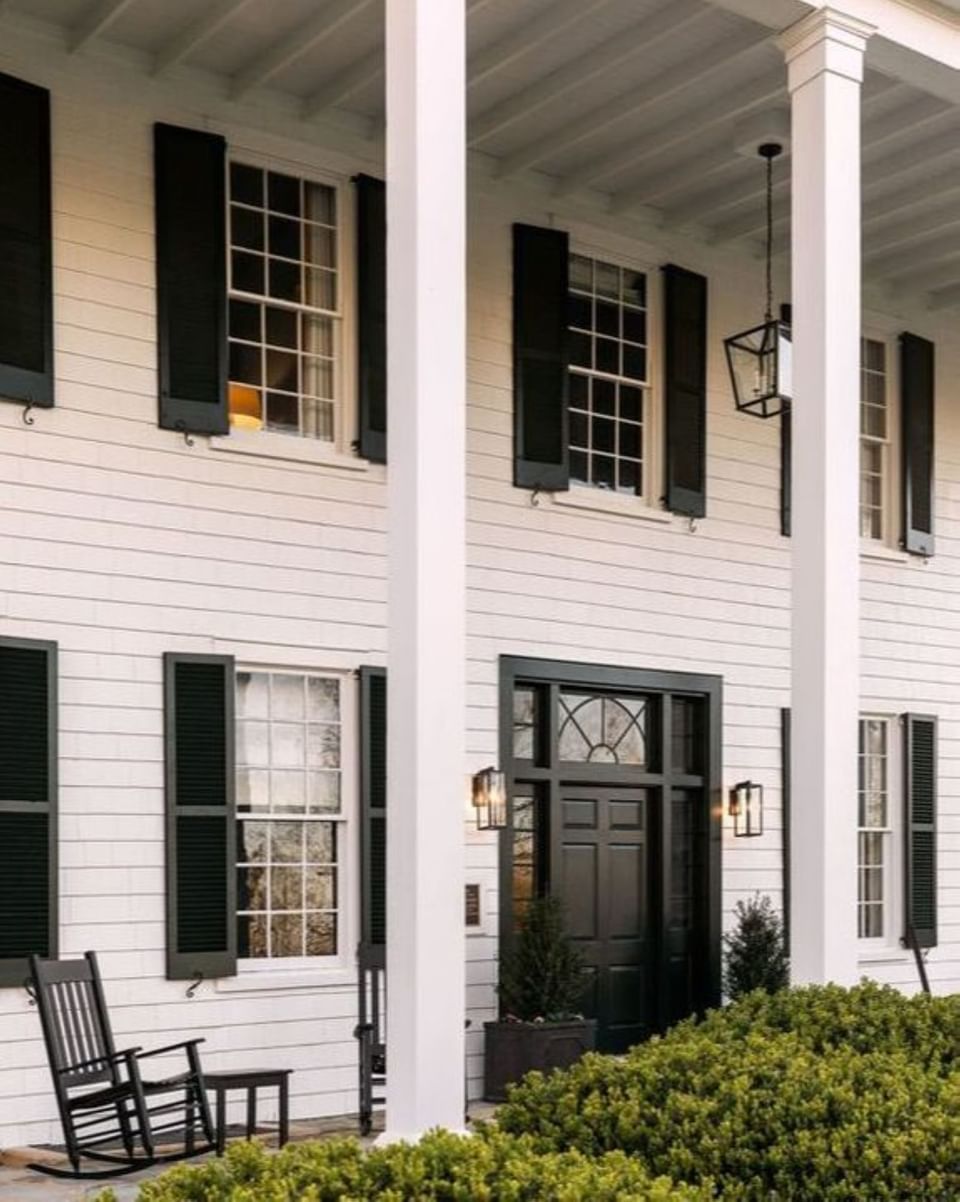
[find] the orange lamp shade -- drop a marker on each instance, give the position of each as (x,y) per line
(246,411)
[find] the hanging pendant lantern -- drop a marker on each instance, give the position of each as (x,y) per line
(761,360)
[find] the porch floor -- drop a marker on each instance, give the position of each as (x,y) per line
(20,1184)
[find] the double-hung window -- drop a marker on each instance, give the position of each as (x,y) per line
(874,440)
(878,808)
(285,313)
(291,810)
(609,377)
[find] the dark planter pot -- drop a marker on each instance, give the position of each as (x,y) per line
(513,1049)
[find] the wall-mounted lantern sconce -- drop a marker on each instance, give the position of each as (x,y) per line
(490,799)
(746,808)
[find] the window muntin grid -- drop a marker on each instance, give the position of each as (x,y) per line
(284,314)
(874,438)
(874,829)
(290,827)
(609,374)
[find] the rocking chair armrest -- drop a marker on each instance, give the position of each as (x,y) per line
(171,1047)
(115,1058)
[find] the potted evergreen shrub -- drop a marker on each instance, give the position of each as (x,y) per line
(541,981)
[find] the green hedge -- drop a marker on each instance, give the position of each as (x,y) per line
(495,1168)
(819,1093)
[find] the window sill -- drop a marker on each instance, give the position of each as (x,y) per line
(615,504)
(884,955)
(258,980)
(289,447)
(881,553)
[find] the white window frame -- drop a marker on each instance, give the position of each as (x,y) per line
(348,852)
(646,503)
(889,539)
(893,881)
(274,442)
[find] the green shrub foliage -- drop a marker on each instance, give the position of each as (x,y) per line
(755,954)
(541,977)
(817,1093)
(495,1168)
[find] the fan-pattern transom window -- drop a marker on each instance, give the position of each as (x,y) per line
(602,729)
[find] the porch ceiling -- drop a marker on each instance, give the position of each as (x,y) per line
(641,101)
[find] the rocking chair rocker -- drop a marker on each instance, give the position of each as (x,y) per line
(103,1100)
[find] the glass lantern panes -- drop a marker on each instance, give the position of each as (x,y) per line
(760,362)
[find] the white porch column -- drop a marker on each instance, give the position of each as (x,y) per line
(426,357)
(824,53)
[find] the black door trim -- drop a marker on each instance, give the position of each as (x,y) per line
(514,669)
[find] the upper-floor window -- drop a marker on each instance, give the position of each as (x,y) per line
(291,815)
(874,440)
(285,317)
(609,376)
(876,804)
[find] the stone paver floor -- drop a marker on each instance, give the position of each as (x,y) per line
(20,1184)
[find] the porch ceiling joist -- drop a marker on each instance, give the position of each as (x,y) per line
(945,298)
(762,91)
(545,27)
(910,259)
(917,226)
(931,279)
(610,56)
(97,21)
(190,39)
(356,78)
(295,45)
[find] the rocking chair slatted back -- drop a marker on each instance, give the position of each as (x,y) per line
(74,1019)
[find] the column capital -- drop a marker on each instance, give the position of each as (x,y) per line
(825,40)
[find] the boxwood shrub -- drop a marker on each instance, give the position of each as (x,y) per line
(451,1168)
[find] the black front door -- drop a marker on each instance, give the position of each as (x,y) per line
(614,787)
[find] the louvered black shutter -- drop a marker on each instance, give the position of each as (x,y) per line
(373,807)
(372,317)
(920,793)
(190,183)
(28,805)
(917,425)
(685,390)
(541,281)
(201,816)
(786,447)
(26,295)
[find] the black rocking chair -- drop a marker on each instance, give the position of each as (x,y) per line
(103,1100)
(370,1031)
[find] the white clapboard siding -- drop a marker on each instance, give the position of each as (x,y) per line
(121,542)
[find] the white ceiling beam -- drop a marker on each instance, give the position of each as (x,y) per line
(296,44)
(762,91)
(917,226)
(946,298)
(540,29)
(911,259)
(616,52)
(916,194)
(930,279)
(357,77)
(197,33)
(97,21)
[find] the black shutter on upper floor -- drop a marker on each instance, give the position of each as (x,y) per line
(26,297)
(541,275)
(372,317)
(190,186)
(917,435)
(28,805)
(920,796)
(200,816)
(685,390)
(373,808)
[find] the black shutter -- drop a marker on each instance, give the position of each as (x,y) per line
(190,184)
(917,425)
(26,297)
(372,317)
(201,816)
(786,447)
(541,281)
(373,807)
(920,794)
(685,390)
(28,805)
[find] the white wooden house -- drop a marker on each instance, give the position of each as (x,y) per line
(226,507)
